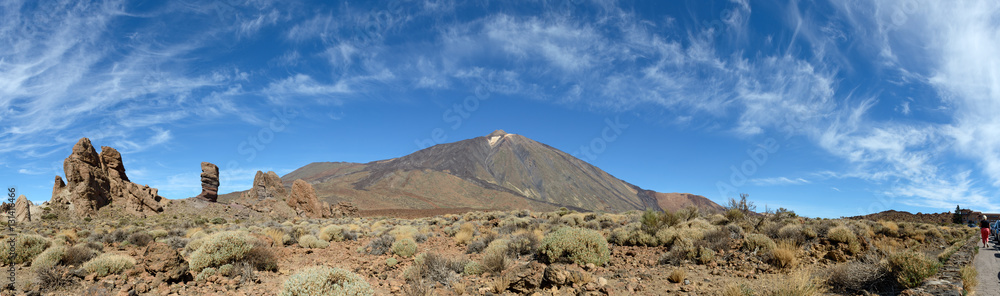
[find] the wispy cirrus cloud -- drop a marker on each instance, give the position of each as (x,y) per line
(778,181)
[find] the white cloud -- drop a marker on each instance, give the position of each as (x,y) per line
(779,181)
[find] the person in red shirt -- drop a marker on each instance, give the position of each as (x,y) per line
(984,230)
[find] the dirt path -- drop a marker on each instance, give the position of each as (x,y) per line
(988,264)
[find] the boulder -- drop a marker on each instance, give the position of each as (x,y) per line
(22,209)
(96,180)
(209,182)
(303,199)
(526,278)
(165,263)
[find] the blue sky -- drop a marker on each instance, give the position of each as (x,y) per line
(828,108)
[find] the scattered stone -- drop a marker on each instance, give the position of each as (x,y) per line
(562,274)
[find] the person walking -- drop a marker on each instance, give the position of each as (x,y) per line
(984,230)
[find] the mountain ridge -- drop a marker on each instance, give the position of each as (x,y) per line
(497,171)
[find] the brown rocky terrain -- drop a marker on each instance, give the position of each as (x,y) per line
(481,253)
(893,215)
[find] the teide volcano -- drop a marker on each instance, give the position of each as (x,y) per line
(498,171)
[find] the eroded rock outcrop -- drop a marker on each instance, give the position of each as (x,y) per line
(270,196)
(22,210)
(303,199)
(267,196)
(209,182)
(344,209)
(94,181)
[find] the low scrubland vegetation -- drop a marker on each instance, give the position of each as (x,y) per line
(480,251)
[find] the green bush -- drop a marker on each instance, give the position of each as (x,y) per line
(158,233)
(106,264)
(633,235)
(578,245)
(332,233)
(26,247)
(405,247)
(911,268)
(49,258)
(221,248)
(310,241)
(326,281)
(759,242)
(218,220)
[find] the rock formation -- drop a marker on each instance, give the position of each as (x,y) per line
(96,180)
(22,209)
(269,196)
(267,185)
(209,182)
(303,199)
(344,209)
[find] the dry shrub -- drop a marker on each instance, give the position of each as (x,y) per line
(140,239)
(277,236)
(800,284)
(465,233)
(77,255)
(677,275)
(434,268)
(783,256)
(911,268)
(404,231)
(380,245)
(718,240)
(857,275)
(261,257)
(737,290)
(53,277)
(969,276)
(841,234)
(887,228)
(758,242)
(792,232)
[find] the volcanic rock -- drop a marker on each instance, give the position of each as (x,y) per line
(209,182)
(267,185)
(343,209)
(303,199)
(165,263)
(96,180)
(87,181)
(22,209)
(268,195)
(112,161)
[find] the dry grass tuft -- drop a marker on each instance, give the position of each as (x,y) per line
(785,254)
(969,276)
(677,275)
